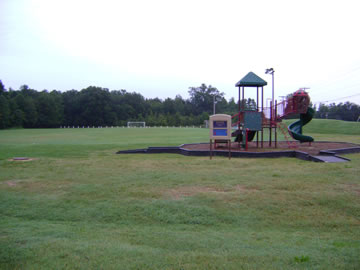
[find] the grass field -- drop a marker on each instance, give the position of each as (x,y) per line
(77,205)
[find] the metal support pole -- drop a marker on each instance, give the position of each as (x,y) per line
(272,86)
(243,99)
(271,71)
(247,138)
(257,109)
(257,98)
(275,123)
(239,99)
(270,126)
(229,143)
(262,111)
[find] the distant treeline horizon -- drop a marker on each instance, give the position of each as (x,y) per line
(97,106)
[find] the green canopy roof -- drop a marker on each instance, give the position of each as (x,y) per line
(251,79)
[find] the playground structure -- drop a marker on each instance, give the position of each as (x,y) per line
(249,122)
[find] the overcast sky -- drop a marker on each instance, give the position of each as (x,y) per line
(160,48)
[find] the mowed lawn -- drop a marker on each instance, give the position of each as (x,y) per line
(78,205)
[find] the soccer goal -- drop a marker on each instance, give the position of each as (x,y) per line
(136,124)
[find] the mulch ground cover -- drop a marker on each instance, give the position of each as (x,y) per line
(311,148)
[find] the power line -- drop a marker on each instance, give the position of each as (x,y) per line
(342,76)
(331,100)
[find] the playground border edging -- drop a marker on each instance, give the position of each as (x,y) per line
(276,154)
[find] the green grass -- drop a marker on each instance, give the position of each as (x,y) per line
(334,130)
(336,127)
(77,205)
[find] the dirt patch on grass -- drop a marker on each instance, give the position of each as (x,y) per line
(21,159)
(245,189)
(11,183)
(181,192)
(15,183)
(188,191)
(25,183)
(38,186)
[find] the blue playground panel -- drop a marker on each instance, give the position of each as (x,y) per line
(220,124)
(220,132)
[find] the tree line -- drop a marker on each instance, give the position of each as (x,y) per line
(97,106)
(347,111)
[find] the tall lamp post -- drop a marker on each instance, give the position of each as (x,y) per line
(272,112)
(271,72)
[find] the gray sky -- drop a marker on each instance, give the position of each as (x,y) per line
(160,48)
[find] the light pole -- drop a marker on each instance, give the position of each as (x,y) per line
(272,111)
(271,72)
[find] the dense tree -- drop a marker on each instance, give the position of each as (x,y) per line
(28,108)
(49,112)
(343,111)
(2,87)
(232,106)
(4,112)
(202,98)
(16,117)
(96,106)
(72,108)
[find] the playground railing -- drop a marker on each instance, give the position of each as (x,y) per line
(280,109)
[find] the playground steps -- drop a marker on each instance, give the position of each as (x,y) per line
(284,130)
(330,159)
